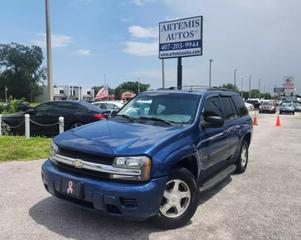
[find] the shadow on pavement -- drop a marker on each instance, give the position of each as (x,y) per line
(71,221)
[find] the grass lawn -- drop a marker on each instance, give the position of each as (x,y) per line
(19,148)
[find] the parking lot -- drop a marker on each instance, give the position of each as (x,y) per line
(263,203)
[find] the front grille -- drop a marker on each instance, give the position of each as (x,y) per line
(88,157)
(81,172)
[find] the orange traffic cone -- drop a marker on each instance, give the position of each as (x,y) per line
(255,120)
(278,124)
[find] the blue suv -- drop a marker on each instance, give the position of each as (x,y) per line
(154,157)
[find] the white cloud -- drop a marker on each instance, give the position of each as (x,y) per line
(141,49)
(57,40)
(141,32)
(85,52)
(125,20)
(141,2)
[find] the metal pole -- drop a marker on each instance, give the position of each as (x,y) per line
(49,53)
(242,86)
(61,125)
(250,80)
(235,71)
(27,126)
(0,125)
(163,74)
(259,82)
(210,62)
(138,85)
(179,82)
(5,88)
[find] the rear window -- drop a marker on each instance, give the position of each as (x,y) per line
(240,105)
(90,106)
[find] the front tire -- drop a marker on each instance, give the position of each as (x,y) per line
(243,157)
(180,200)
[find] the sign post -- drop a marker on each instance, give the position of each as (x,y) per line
(181,38)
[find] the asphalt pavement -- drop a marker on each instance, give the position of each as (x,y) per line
(263,203)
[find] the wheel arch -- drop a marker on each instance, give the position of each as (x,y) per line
(189,162)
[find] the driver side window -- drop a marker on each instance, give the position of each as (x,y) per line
(212,107)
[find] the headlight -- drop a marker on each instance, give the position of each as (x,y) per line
(141,163)
(54,149)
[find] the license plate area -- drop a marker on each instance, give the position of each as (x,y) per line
(72,188)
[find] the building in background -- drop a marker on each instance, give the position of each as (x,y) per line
(88,95)
(67,92)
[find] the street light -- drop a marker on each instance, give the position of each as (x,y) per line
(235,71)
(210,62)
(242,86)
(49,53)
(250,81)
(259,82)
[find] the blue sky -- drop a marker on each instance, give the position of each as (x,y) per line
(119,38)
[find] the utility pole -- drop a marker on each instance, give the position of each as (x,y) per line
(138,85)
(163,74)
(235,71)
(250,82)
(259,83)
(210,82)
(49,53)
(242,86)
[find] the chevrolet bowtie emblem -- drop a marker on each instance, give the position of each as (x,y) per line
(78,164)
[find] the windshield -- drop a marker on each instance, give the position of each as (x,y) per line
(286,104)
(169,107)
(266,103)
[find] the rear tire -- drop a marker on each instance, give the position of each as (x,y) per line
(243,157)
(180,200)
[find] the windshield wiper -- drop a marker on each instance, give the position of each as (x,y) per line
(156,119)
(125,116)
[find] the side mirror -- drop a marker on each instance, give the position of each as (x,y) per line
(212,122)
(113,113)
(29,111)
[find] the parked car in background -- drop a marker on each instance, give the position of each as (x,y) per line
(254,101)
(45,117)
(109,105)
(249,106)
(287,107)
(267,107)
(154,157)
(297,106)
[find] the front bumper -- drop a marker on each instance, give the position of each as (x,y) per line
(139,200)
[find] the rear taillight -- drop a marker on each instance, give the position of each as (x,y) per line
(99,116)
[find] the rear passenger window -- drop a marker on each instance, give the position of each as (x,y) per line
(240,105)
(229,108)
(212,107)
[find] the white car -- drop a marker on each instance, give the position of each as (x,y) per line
(109,105)
(249,106)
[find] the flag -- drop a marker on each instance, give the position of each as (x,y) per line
(102,93)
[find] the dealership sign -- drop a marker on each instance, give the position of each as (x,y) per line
(181,38)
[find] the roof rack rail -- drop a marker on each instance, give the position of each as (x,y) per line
(195,87)
(218,89)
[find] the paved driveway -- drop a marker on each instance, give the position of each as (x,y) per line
(263,203)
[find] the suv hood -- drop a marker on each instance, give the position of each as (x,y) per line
(112,138)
